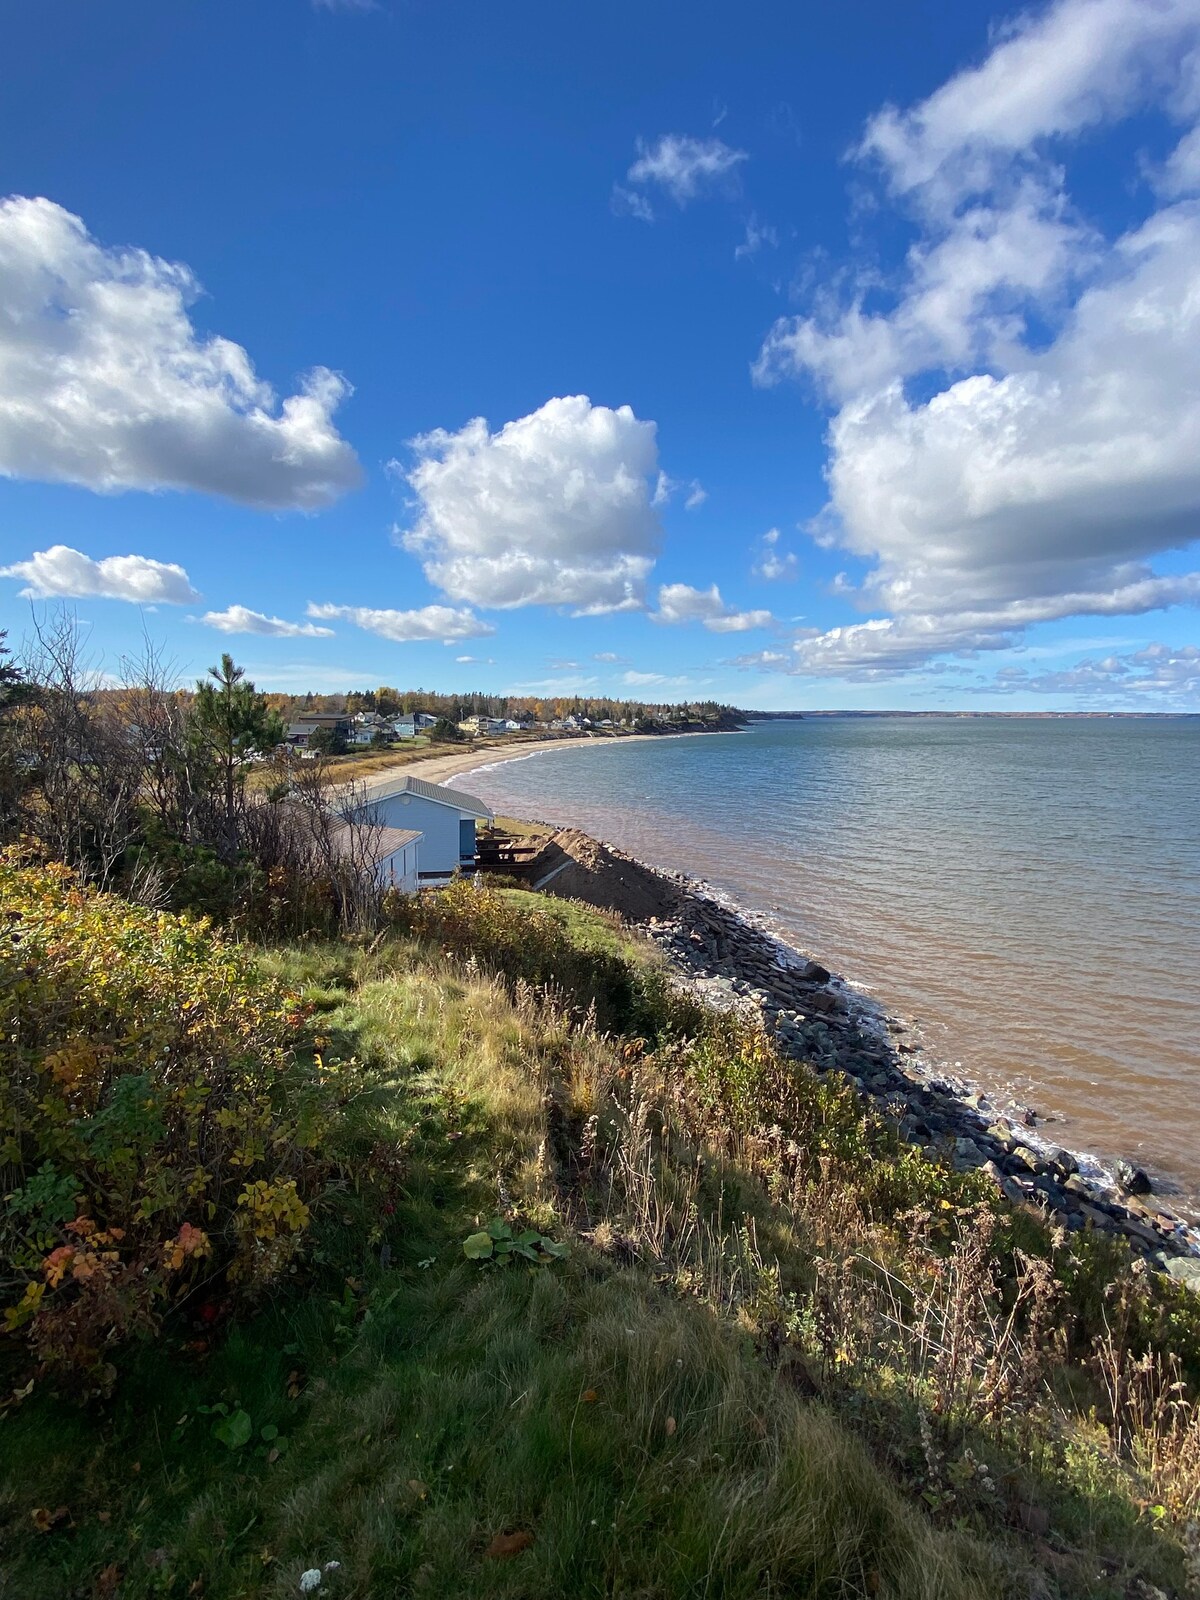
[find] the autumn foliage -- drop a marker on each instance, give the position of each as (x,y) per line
(159,1123)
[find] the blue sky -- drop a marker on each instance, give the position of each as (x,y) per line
(792,356)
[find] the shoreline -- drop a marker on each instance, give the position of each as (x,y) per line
(456,763)
(728,956)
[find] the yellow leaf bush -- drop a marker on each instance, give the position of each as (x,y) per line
(159,1119)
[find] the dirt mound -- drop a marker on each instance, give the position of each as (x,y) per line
(581,868)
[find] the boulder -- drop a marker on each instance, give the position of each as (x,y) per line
(1184,1269)
(1132,1179)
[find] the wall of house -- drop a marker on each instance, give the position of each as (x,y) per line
(399,870)
(438,851)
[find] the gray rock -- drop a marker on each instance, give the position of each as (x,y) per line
(1184,1269)
(1063,1161)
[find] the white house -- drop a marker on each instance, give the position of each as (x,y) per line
(393,851)
(445,819)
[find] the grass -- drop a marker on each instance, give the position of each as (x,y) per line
(523,828)
(652,1417)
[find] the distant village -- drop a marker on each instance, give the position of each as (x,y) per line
(379,719)
(330,730)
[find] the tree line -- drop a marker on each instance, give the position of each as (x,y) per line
(188,798)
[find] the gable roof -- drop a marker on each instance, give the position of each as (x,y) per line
(432,791)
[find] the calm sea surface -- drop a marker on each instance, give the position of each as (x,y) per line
(1027,891)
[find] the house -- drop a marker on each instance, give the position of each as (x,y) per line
(405,727)
(481,726)
(394,854)
(445,818)
(368,727)
(306,723)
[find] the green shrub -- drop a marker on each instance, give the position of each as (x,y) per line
(158,1131)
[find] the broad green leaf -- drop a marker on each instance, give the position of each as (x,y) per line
(234,1431)
(478,1246)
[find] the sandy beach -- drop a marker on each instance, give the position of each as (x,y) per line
(455,761)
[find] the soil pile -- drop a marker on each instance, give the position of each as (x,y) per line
(578,867)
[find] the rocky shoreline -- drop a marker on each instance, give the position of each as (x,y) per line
(728,959)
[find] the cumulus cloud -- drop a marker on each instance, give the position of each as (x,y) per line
(684,167)
(554,509)
(239,619)
(105,382)
(679,602)
(1077,65)
(443,623)
(1052,447)
(61,573)
(773,562)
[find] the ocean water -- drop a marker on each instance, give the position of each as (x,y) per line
(1025,892)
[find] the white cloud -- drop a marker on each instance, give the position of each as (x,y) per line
(653,680)
(968,288)
(1052,448)
(105,382)
(685,167)
(569,685)
(1074,66)
(665,487)
(444,623)
(239,619)
(679,603)
(773,563)
(63,573)
(1159,674)
(607,655)
(478,661)
(553,509)
(757,234)
(629,203)
(1181,171)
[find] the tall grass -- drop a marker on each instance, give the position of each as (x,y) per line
(786,1355)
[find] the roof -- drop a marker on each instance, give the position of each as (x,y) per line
(384,841)
(431,791)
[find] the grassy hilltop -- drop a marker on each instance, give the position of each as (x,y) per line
(473,1259)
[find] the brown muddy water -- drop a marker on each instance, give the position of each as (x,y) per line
(1026,891)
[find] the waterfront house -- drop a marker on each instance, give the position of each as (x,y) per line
(405,727)
(446,819)
(394,854)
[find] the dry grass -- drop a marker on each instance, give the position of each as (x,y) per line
(779,1360)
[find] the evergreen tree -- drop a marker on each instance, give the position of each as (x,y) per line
(231,722)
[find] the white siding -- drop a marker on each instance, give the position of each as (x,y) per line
(399,870)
